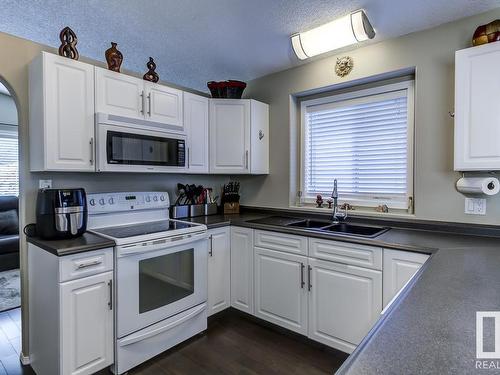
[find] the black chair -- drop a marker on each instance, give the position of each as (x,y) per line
(9,233)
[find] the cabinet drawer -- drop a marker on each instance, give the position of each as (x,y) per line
(347,253)
(281,242)
(85,264)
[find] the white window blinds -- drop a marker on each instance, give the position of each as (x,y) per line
(9,168)
(364,141)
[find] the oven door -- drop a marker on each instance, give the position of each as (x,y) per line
(130,149)
(158,279)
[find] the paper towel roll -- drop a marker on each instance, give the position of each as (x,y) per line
(478,185)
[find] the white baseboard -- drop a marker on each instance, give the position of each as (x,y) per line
(25,360)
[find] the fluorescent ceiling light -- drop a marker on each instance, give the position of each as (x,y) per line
(350,29)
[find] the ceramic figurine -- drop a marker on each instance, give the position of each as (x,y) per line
(319,201)
(151,75)
(68,43)
(114,58)
(330,202)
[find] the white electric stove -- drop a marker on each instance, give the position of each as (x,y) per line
(160,273)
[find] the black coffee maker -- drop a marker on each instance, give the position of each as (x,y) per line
(61,213)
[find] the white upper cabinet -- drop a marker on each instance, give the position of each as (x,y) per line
(239,139)
(477,113)
(399,268)
(61,114)
(119,94)
(122,95)
(196,125)
(164,105)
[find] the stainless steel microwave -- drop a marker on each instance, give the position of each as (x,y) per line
(125,145)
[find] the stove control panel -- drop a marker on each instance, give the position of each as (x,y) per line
(126,201)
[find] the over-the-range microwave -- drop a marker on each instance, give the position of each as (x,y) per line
(130,145)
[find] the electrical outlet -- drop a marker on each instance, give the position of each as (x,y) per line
(45,184)
(475,206)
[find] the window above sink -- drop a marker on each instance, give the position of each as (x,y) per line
(364,139)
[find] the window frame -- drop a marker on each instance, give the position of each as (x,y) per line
(365,201)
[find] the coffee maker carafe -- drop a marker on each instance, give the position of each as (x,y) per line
(61,213)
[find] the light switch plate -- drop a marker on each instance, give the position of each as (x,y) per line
(45,184)
(475,206)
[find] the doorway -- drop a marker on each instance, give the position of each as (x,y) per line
(10,281)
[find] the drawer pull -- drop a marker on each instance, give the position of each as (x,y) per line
(88,264)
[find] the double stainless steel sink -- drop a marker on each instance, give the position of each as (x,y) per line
(323,226)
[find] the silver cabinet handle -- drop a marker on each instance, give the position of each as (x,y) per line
(149,104)
(91,151)
(110,302)
(211,252)
(88,264)
(188,162)
(246,159)
(142,102)
(309,284)
(302,283)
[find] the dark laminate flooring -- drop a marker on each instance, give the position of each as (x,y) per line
(237,344)
(233,344)
(10,343)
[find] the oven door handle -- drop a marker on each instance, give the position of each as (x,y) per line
(143,336)
(160,244)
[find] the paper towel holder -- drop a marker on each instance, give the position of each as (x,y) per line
(482,186)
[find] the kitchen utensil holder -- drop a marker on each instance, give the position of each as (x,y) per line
(196,210)
(210,209)
(179,212)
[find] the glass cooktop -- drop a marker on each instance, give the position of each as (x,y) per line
(143,229)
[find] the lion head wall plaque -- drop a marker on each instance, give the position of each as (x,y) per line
(343,66)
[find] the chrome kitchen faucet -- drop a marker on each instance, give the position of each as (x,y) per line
(337,216)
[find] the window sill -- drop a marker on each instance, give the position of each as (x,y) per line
(357,212)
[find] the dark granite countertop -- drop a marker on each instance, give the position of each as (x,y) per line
(87,242)
(430,328)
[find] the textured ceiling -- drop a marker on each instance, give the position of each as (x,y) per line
(194,41)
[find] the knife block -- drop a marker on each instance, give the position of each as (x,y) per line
(232,208)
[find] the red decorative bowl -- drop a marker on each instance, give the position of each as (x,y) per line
(230,89)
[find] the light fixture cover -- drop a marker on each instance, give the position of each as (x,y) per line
(350,29)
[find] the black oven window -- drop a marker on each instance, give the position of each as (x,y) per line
(138,149)
(165,279)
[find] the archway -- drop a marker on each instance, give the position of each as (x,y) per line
(10,279)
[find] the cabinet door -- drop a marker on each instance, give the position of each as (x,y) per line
(219,270)
(259,138)
(69,114)
(477,113)
(164,105)
(86,324)
(119,94)
(230,136)
(280,289)
(399,267)
(196,125)
(242,269)
(344,303)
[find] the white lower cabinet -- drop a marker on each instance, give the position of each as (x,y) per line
(399,268)
(280,289)
(219,270)
(71,311)
(242,274)
(344,303)
(86,324)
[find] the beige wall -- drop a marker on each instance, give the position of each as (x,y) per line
(431,52)
(16,54)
